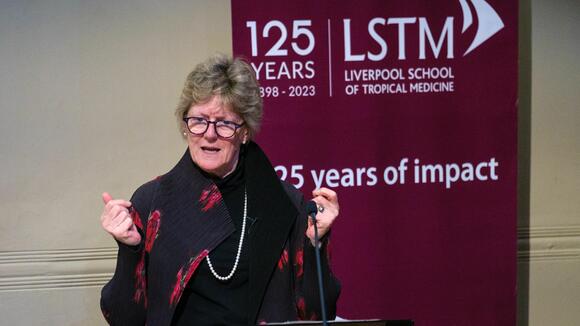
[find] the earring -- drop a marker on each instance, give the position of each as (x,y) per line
(184,133)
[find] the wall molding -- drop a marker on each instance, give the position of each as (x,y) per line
(549,243)
(55,269)
(549,232)
(39,256)
(93,267)
(48,282)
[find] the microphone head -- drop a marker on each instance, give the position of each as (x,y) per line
(311,208)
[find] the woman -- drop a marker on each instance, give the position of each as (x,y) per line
(218,240)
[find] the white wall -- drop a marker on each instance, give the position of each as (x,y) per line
(87,93)
(549,232)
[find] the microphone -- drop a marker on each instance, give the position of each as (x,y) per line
(312,210)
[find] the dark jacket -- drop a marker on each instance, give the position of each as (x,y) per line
(182,217)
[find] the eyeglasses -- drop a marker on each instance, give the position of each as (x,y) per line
(223,128)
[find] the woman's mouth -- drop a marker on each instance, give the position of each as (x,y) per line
(209,149)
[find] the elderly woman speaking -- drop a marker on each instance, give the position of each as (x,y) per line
(219,239)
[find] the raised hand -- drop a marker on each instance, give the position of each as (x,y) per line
(327,202)
(117,221)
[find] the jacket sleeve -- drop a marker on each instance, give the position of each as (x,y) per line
(304,264)
(124,297)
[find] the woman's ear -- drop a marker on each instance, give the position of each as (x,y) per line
(184,129)
(246,136)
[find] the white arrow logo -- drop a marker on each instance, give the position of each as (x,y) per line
(488,19)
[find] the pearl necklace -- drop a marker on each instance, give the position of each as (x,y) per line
(225,278)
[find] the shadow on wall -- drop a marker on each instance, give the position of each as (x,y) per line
(524,156)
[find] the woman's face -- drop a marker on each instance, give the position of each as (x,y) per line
(212,153)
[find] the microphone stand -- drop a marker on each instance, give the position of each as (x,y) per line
(318,265)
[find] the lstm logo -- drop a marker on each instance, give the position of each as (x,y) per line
(488,24)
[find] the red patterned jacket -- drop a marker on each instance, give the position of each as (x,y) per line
(182,218)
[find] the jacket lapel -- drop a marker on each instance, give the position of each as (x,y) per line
(275,215)
(193,221)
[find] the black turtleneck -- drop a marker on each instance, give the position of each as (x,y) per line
(207,300)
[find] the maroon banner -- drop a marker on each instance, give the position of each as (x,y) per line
(408,110)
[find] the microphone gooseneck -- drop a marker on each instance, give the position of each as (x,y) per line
(312,210)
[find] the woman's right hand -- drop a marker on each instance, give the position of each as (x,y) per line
(117,220)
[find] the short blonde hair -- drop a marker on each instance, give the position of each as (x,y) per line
(231,79)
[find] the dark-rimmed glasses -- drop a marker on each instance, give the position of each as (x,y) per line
(223,128)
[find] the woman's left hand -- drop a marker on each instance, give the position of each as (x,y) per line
(327,202)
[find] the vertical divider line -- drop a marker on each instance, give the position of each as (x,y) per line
(329,60)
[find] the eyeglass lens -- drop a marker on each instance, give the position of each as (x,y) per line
(223,128)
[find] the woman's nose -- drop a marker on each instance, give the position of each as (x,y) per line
(211,132)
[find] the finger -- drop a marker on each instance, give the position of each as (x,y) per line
(330,212)
(318,202)
(108,217)
(123,228)
(115,211)
(324,190)
(110,214)
(119,219)
(133,227)
(111,222)
(116,227)
(322,201)
(106,197)
(117,202)
(326,193)
(133,232)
